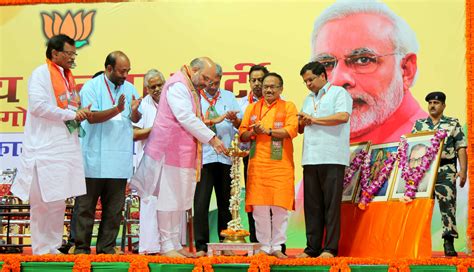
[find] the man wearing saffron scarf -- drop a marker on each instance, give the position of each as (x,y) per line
(51,163)
(173,154)
(221,113)
(454,148)
(270,125)
(107,149)
(256,74)
(325,121)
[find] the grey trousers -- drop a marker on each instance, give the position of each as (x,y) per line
(112,197)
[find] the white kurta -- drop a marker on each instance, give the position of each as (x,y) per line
(149,237)
(148,109)
(48,145)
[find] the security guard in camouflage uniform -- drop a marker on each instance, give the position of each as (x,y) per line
(454,148)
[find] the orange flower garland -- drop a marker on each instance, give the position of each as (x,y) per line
(470,107)
(257,263)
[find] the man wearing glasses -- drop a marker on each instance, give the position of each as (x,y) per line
(173,153)
(149,239)
(256,74)
(51,163)
(375,62)
(221,113)
(270,126)
(324,120)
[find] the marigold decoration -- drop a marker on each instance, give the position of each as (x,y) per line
(413,176)
(77,26)
(82,264)
(257,263)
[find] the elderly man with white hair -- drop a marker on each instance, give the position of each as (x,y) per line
(375,62)
(149,239)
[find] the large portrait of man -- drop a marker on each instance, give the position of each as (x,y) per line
(371,52)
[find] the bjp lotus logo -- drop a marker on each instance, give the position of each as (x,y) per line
(78,26)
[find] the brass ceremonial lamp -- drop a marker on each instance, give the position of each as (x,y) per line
(235,233)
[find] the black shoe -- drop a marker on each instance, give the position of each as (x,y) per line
(64,249)
(449,250)
(135,247)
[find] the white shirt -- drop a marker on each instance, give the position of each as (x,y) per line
(148,109)
(327,144)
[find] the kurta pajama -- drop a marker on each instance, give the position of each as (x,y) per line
(51,157)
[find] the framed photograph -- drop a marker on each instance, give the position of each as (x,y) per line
(378,154)
(418,143)
(348,192)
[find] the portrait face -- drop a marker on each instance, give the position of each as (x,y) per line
(417,152)
(271,89)
(363,61)
(66,57)
(155,86)
(119,73)
(256,80)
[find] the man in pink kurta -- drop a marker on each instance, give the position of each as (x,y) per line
(173,159)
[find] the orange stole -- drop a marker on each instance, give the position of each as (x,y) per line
(271,182)
(59,84)
(387,230)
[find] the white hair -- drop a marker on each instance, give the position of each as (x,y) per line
(403,37)
(152,73)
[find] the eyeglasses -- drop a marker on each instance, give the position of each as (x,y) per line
(363,63)
(70,53)
(156,87)
(271,87)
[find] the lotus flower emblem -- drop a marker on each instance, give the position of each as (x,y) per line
(77,26)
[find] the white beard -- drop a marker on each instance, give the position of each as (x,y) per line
(379,110)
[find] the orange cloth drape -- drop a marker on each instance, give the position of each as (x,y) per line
(387,230)
(469,106)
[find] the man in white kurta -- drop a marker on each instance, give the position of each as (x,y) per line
(173,158)
(51,162)
(149,238)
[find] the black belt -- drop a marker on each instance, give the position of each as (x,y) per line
(447,161)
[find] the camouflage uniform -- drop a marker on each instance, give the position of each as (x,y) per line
(445,188)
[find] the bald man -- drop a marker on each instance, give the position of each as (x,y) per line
(107,149)
(173,155)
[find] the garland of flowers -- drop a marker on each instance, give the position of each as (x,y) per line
(259,262)
(354,166)
(369,189)
(413,176)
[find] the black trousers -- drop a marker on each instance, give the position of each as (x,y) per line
(112,197)
(217,176)
(253,236)
(322,207)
